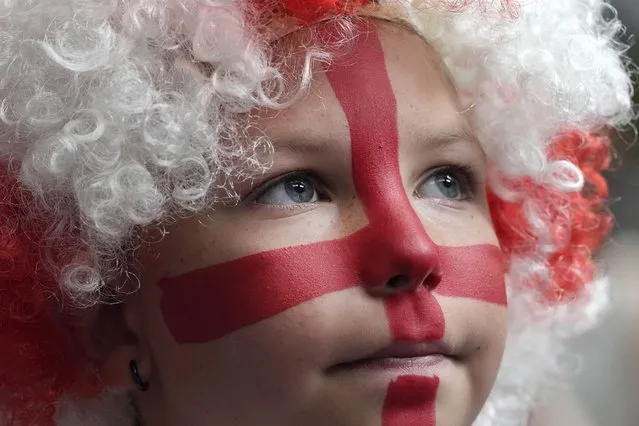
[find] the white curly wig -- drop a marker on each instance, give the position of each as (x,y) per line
(104,131)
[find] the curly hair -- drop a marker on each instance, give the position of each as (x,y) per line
(119,115)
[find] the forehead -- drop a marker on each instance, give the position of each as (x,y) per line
(415,70)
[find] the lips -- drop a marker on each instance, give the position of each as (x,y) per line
(403,349)
(400,355)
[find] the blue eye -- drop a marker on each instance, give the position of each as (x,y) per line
(294,189)
(448,183)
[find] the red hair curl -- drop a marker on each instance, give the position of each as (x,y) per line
(577,223)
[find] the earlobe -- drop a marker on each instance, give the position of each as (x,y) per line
(116,373)
(125,350)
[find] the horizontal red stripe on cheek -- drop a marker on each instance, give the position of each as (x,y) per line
(473,272)
(209,303)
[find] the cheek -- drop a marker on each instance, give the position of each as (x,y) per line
(302,338)
(492,332)
(273,366)
(260,365)
(484,327)
(456,227)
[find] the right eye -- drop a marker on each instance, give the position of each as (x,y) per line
(292,189)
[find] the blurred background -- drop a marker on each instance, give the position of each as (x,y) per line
(625,181)
(608,389)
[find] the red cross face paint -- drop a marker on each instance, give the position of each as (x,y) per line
(214,303)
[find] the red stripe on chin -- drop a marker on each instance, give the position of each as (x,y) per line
(410,401)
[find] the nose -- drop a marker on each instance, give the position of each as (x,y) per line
(402,264)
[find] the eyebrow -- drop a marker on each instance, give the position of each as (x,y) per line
(297,143)
(459,135)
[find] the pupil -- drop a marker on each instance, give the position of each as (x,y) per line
(449,186)
(298,187)
(300,191)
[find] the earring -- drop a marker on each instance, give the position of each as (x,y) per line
(137,378)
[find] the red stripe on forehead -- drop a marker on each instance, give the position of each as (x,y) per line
(363,89)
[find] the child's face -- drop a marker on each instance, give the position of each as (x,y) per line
(359,282)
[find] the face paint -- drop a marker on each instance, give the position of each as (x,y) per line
(207,304)
(408,403)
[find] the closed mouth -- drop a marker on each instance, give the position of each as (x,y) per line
(401,355)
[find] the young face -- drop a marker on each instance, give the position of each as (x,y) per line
(359,282)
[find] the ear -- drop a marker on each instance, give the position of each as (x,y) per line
(117,337)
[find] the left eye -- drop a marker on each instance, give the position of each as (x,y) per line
(449,183)
(293,189)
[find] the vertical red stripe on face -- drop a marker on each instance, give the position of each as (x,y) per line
(363,88)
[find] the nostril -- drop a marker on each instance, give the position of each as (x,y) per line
(398,282)
(432,280)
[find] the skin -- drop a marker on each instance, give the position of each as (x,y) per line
(277,371)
